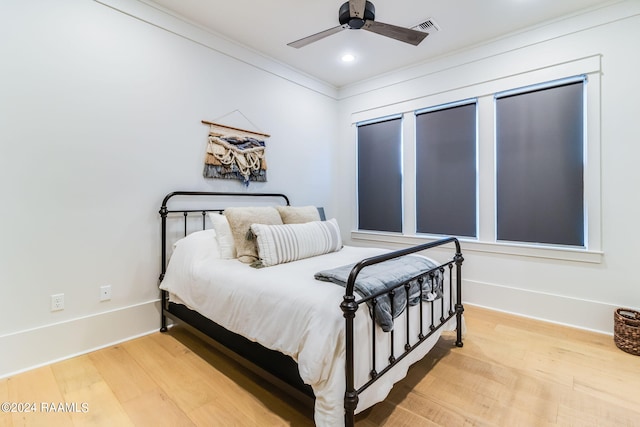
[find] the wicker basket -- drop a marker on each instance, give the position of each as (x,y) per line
(627,330)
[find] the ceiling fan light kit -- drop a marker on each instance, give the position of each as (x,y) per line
(360,14)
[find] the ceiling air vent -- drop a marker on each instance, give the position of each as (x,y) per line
(427,26)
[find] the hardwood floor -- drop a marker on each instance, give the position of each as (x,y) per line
(510,372)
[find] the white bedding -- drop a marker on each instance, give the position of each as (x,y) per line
(284,308)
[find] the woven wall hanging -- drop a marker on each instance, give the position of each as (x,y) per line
(234,153)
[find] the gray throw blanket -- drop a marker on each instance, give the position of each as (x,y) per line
(386,275)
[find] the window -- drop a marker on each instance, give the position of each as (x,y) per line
(540,164)
(446,183)
(380,175)
(510,165)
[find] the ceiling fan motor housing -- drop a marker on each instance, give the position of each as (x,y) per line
(345,17)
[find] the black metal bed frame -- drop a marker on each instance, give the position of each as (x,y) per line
(282,369)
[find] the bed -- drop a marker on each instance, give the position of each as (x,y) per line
(304,314)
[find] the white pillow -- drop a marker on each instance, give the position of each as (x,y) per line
(278,244)
(203,241)
(199,246)
(224,235)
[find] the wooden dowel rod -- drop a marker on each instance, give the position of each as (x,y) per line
(234,128)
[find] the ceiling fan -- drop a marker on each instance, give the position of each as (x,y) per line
(360,14)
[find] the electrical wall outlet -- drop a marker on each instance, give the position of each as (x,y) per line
(105,293)
(57,302)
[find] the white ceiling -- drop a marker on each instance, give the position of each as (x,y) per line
(267,27)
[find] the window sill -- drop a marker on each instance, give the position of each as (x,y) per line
(468,245)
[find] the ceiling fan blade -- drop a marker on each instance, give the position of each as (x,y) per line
(406,35)
(356,8)
(315,37)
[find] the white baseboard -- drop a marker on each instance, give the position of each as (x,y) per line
(578,313)
(26,350)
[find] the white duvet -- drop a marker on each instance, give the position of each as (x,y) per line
(284,308)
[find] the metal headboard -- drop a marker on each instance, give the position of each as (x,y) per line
(206,196)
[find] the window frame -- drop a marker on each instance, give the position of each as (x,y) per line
(441,107)
(557,83)
(462,86)
(401,172)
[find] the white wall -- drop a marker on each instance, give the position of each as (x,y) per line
(99,118)
(584,291)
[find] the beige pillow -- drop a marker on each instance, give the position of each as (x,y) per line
(240,220)
(298,214)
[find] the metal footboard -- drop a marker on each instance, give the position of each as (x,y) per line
(351,303)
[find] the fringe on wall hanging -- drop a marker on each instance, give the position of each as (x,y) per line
(234,153)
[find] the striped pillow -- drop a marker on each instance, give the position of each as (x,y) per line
(278,244)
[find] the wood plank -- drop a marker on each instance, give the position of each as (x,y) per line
(38,386)
(523,392)
(155,408)
(582,409)
(124,375)
(168,371)
(386,414)
(5,417)
(95,402)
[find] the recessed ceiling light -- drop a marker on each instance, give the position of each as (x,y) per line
(348,58)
